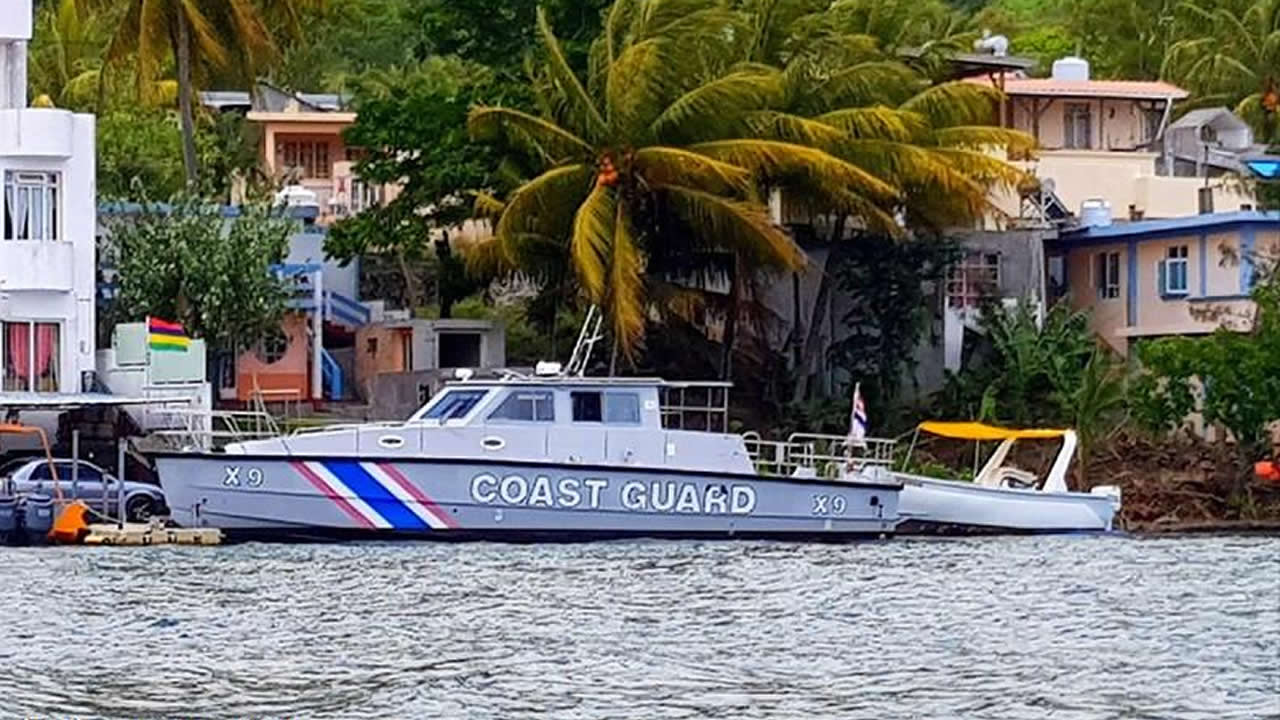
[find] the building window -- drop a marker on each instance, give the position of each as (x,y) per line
(975,277)
(309,159)
(272,347)
(458,350)
(526,405)
(30,356)
(1173,272)
(1077,127)
(1106,275)
(31,210)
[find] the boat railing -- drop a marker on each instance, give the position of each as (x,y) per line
(700,406)
(335,427)
(214,429)
(829,457)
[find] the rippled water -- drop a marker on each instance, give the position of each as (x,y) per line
(990,628)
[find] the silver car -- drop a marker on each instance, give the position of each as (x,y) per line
(32,476)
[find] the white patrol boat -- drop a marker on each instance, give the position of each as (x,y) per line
(553,456)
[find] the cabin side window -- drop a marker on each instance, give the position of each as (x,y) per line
(622,408)
(455,404)
(587,407)
(527,406)
(614,408)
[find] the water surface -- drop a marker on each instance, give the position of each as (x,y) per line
(1065,628)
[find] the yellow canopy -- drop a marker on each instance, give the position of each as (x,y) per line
(978,431)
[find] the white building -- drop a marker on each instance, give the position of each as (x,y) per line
(47,277)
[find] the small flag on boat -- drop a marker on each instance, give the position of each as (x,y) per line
(857,418)
(163,336)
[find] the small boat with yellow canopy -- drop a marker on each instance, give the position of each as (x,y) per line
(1002,497)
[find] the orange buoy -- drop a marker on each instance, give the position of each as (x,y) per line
(70,526)
(1267,470)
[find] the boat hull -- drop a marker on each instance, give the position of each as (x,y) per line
(932,506)
(315,497)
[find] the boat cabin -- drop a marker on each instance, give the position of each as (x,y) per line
(645,422)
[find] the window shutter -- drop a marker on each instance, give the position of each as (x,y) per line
(1162,277)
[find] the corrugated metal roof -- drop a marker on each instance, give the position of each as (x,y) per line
(1172,225)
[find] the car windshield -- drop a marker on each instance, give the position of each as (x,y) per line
(7,468)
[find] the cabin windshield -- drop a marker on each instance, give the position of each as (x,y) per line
(453,404)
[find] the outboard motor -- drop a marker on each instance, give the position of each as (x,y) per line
(37,518)
(10,522)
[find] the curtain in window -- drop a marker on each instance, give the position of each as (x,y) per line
(36,221)
(17,356)
(47,347)
(15,197)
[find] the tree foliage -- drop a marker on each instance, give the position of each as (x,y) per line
(656,160)
(185,261)
(412,129)
(888,285)
(1231,379)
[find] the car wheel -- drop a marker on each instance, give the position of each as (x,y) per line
(139,509)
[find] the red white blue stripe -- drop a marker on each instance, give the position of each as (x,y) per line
(376,496)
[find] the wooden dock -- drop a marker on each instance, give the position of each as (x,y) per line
(150,534)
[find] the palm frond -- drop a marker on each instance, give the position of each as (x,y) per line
(774,125)
(862,84)
(487,206)
(878,122)
(540,139)
(706,111)
(984,168)
(544,205)
(625,301)
(981,137)
(634,88)
(660,165)
(654,17)
(741,226)
(589,245)
(582,111)
(780,161)
(955,103)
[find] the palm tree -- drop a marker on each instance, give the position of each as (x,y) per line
(66,56)
(203,37)
(689,110)
(1232,57)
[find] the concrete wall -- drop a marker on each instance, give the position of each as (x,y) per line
(290,373)
(1218,285)
(1115,124)
(307,248)
(54,280)
(1123,179)
(380,348)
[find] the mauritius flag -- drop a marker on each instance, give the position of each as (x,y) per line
(165,336)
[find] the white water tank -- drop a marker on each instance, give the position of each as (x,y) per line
(1071,68)
(1095,212)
